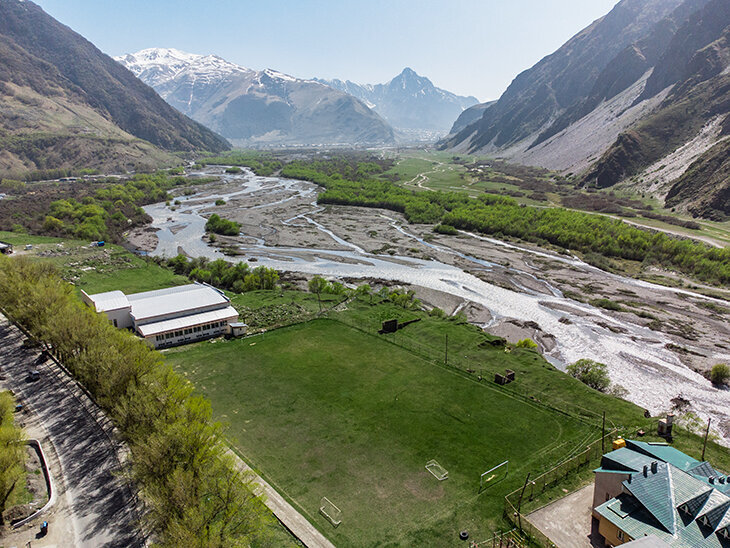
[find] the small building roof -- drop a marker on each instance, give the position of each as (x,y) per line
(670,504)
(156,328)
(111,300)
(152,304)
(663,452)
(625,460)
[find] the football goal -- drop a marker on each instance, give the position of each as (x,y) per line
(438,471)
(330,511)
(493,473)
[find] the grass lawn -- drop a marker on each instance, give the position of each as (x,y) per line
(321,409)
(95,269)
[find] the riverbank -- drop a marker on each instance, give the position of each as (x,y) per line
(657,341)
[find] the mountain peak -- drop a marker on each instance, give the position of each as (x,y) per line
(409,101)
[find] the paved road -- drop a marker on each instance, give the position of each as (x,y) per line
(102,511)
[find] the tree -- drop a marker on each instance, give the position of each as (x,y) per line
(12,453)
(318,285)
(720,374)
(591,373)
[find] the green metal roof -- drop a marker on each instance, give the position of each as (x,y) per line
(663,452)
(650,505)
(626,460)
(654,492)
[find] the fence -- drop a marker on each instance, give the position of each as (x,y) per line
(517,501)
(451,357)
(509,539)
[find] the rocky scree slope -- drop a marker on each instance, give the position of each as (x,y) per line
(640,117)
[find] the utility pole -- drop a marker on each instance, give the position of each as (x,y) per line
(519,503)
(603,434)
(446,351)
(707,434)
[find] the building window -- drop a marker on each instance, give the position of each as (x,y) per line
(115,323)
(620,535)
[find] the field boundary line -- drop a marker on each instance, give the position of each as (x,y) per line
(297,524)
(463,374)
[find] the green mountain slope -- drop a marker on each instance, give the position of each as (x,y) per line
(63,103)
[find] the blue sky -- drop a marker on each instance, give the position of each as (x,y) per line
(470,47)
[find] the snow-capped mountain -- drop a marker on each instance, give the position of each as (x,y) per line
(256,107)
(155,66)
(409,101)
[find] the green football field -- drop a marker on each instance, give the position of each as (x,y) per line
(323,410)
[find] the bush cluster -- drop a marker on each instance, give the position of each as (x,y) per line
(219,225)
(237,277)
(12,452)
(110,211)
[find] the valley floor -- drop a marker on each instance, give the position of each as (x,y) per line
(689,328)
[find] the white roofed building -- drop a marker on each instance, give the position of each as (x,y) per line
(168,317)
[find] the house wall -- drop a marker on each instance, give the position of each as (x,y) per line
(607,486)
(122,317)
(184,336)
(610,532)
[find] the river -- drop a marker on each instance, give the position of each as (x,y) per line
(636,356)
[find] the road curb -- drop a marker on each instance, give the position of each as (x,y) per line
(49,485)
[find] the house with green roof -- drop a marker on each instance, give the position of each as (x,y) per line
(652,489)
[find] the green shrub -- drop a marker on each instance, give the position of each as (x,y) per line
(222,226)
(526,343)
(720,374)
(608,304)
(445,229)
(591,373)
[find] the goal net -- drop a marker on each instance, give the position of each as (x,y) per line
(495,473)
(438,471)
(330,511)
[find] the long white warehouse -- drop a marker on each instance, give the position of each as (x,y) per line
(168,317)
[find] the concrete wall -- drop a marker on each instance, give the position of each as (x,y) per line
(607,486)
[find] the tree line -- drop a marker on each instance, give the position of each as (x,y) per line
(12,452)
(503,216)
(194,494)
(238,277)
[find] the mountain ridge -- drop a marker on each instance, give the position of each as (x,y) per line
(409,101)
(643,116)
(64,104)
(252,107)
(106,86)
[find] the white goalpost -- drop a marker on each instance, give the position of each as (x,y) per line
(487,477)
(438,471)
(330,511)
